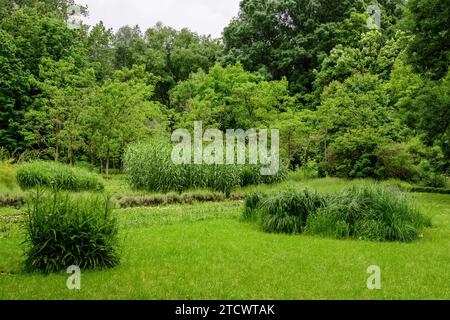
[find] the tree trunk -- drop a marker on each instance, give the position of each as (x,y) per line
(107,167)
(91,154)
(70,156)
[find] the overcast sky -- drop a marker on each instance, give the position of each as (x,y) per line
(201,16)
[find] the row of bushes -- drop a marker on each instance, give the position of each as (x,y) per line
(57,175)
(363,157)
(150,167)
(150,201)
(420,189)
(12,200)
(365,212)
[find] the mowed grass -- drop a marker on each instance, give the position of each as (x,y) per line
(204,251)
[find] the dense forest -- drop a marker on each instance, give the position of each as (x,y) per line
(349,100)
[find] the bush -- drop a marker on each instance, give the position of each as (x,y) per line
(9,200)
(368,213)
(64,231)
(221,178)
(251,205)
(251,175)
(57,175)
(395,162)
(288,211)
(156,200)
(428,190)
(428,177)
(150,167)
(364,212)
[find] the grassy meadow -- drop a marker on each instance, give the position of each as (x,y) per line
(204,250)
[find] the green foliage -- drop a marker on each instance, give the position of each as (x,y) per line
(428,190)
(251,206)
(355,119)
(288,211)
(118,113)
(100,49)
(7,174)
(423,105)
(63,231)
(428,177)
(368,213)
(169,54)
(171,198)
(228,98)
(150,167)
(291,38)
(371,54)
(251,175)
(14,86)
(428,21)
(12,200)
(343,97)
(395,161)
(56,175)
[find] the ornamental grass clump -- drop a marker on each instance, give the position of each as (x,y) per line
(64,230)
(288,211)
(149,167)
(369,212)
(57,175)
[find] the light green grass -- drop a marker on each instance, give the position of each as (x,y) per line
(204,251)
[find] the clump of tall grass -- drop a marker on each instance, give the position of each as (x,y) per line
(251,175)
(366,212)
(288,211)
(252,204)
(150,167)
(56,175)
(369,212)
(64,230)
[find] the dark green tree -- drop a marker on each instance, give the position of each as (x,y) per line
(14,87)
(429,22)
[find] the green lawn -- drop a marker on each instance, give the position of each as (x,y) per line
(203,251)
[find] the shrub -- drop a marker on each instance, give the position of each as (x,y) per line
(365,212)
(251,205)
(149,167)
(368,213)
(222,178)
(429,177)
(251,175)
(64,231)
(57,175)
(395,162)
(12,200)
(428,190)
(287,212)
(156,200)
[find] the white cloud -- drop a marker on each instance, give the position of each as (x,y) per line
(201,16)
